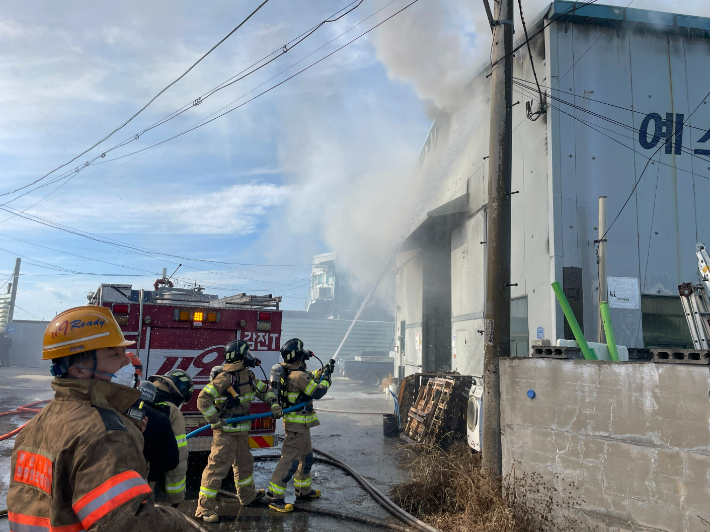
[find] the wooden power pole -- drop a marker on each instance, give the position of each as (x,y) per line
(497,315)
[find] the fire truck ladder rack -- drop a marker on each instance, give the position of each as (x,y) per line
(245,301)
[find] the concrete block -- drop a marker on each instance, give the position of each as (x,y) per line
(543,342)
(601,350)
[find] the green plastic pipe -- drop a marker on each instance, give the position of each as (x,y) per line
(609,331)
(576,330)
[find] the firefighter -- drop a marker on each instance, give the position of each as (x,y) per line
(160,449)
(229,395)
(296,385)
(172,390)
(137,364)
(78,465)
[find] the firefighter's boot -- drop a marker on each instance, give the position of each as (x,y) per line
(207,516)
(313,494)
(280,505)
(260,494)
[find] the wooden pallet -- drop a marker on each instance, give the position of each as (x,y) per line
(428,410)
(435,406)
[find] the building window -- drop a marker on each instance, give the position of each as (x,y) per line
(519,327)
(664,323)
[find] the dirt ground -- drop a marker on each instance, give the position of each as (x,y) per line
(355,438)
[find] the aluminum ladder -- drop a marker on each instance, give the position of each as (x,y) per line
(696,301)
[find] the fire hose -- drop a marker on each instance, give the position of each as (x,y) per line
(24,409)
(413,523)
(250,417)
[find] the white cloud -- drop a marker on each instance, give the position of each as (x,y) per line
(236,209)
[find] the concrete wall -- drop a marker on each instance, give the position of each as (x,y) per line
(633,437)
(27,343)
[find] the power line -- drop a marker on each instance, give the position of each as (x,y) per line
(585,97)
(131,248)
(595,126)
(152,100)
(197,101)
(136,249)
(205,122)
(541,111)
(572,9)
(27,311)
(644,170)
(236,78)
(95,161)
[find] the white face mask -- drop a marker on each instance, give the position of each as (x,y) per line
(125,376)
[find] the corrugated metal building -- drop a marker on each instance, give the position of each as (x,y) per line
(625,88)
(323,336)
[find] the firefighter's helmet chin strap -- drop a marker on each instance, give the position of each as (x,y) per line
(93,357)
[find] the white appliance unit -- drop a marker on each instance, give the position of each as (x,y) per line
(474,414)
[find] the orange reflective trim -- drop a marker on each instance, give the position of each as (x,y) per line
(21,523)
(116,491)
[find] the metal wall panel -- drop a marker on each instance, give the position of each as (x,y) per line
(468,267)
(698,67)
(605,157)
(409,290)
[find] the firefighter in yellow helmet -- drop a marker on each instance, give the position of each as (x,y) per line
(78,465)
(295,386)
(229,395)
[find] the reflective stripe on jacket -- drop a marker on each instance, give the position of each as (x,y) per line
(175,480)
(299,385)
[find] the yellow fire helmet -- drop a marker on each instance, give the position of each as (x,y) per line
(81,329)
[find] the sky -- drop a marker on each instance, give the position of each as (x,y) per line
(320,162)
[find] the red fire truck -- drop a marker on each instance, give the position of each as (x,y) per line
(179,328)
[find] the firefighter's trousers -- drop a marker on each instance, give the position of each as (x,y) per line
(228,450)
(296,461)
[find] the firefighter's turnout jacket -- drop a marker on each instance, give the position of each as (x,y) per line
(212,398)
(296,452)
(302,386)
(78,466)
(230,444)
(175,480)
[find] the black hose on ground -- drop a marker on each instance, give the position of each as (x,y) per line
(377,495)
(340,515)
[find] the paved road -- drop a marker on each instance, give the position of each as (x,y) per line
(348,430)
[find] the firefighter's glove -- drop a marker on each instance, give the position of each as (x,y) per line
(232,402)
(218,425)
(277,411)
(330,367)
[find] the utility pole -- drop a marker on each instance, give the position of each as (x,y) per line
(497,315)
(603,292)
(13,293)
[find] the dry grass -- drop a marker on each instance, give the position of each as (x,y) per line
(449,490)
